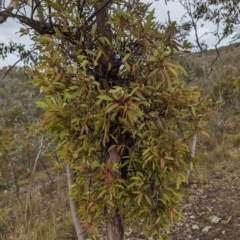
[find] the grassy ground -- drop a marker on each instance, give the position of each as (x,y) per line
(211,206)
(50,218)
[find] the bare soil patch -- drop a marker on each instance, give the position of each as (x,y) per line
(212,205)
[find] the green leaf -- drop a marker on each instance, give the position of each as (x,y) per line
(148,199)
(41,104)
(152,59)
(97,58)
(71,18)
(112,107)
(105,97)
(58,33)
(127,66)
(94,28)
(153,73)
(182,70)
(44,39)
(133,91)
(146,151)
(110,203)
(126,57)
(101,193)
(55,5)
(173,71)
(149,22)
(193,111)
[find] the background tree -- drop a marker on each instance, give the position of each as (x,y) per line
(20,134)
(121,115)
(18,140)
(224,14)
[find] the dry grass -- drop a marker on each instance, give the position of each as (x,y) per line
(219,157)
(50,219)
(213,190)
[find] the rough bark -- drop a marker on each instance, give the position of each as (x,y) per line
(108,62)
(115,229)
(115,226)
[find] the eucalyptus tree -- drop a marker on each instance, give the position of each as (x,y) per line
(18,134)
(223,13)
(114,98)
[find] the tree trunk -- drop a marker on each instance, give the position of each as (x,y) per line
(115,226)
(73,208)
(115,230)
(193,149)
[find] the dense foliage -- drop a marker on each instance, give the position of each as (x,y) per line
(122,116)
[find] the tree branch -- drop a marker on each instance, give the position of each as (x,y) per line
(98,10)
(10,68)
(3,17)
(28,204)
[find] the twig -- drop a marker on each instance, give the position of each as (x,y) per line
(10,68)
(46,170)
(28,207)
(218,54)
